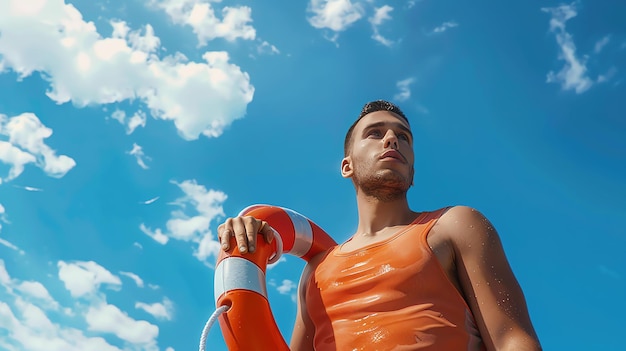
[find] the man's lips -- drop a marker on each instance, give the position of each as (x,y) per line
(393,154)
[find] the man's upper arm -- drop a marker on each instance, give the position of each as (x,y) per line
(489,285)
(303,329)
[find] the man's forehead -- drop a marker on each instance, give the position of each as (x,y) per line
(382,116)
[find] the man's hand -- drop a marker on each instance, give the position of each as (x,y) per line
(245,230)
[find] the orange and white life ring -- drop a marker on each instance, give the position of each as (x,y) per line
(240,282)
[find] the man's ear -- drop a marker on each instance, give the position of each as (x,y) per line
(346,167)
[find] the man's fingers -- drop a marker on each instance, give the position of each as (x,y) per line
(250,225)
(245,230)
(267,231)
(224,233)
(240,234)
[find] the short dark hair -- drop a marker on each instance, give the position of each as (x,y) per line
(372,106)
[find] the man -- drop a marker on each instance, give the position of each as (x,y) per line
(405,280)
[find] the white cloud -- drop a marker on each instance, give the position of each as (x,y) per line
(381,15)
(37,291)
(200,16)
(573,75)
(134,277)
(404,89)
(159,310)
(3,216)
(25,145)
(5,279)
(157,235)
(138,245)
(602,78)
(286,287)
(11,246)
(87,69)
(27,327)
(445,26)
(137,151)
(267,48)
(207,205)
(28,188)
(3,242)
(138,119)
(84,278)
(411,3)
(336,15)
(108,318)
(148,202)
(600,44)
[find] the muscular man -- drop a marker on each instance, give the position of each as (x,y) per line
(431,280)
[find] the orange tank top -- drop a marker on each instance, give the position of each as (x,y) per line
(391,295)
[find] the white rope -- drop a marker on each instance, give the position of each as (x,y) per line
(205,332)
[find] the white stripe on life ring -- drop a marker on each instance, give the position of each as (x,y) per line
(303,233)
(242,274)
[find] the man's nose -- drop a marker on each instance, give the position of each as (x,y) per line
(390,140)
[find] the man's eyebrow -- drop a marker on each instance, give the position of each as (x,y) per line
(396,124)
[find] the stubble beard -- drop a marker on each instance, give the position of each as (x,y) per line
(384,185)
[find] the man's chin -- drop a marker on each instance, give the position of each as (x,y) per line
(386,188)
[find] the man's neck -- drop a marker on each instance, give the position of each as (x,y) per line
(376,215)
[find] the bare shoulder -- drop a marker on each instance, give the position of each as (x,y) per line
(464,225)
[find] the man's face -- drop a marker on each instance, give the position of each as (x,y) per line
(380,160)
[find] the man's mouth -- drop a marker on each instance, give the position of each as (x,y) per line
(393,154)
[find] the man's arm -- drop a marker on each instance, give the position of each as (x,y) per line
(489,285)
(303,329)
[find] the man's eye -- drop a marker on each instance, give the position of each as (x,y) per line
(374,133)
(403,136)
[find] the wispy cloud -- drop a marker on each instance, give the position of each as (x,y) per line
(11,246)
(404,89)
(157,235)
(138,119)
(445,26)
(610,74)
(573,75)
(148,202)
(600,44)
(286,287)
(266,48)
(138,281)
(159,310)
(27,188)
(137,151)
(609,272)
(411,3)
(381,14)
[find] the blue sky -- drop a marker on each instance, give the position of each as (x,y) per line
(128,132)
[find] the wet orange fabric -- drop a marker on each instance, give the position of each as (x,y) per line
(392,295)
